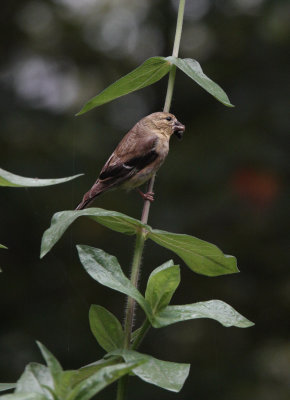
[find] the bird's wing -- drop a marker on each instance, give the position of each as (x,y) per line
(132,154)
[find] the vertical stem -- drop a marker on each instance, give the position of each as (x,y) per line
(146,207)
(170,88)
(178,30)
(175,51)
(122,388)
(141,237)
(169,93)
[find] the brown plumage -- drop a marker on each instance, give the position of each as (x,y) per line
(137,157)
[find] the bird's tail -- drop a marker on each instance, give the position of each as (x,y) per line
(89,197)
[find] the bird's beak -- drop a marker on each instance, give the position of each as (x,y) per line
(178,129)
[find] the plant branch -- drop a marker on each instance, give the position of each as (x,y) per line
(140,240)
(122,388)
(175,51)
(141,237)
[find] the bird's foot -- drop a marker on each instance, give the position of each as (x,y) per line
(147,196)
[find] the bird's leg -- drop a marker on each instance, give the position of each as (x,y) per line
(147,196)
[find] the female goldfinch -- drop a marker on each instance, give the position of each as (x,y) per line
(137,157)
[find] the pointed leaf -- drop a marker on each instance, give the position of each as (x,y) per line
(7,386)
(161,285)
(193,69)
(136,333)
(165,374)
(89,370)
(111,219)
(106,270)
(68,380)
(151,71)
(52,363)
(62,379)
(88,388)
(33,379)
(106,328)
(9,179)
(64,383)
(200,256)
(213,309)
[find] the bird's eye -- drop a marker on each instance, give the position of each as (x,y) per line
(168,118)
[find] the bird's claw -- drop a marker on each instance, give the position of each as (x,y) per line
(147,196)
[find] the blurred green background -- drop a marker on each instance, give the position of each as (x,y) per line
(226,182)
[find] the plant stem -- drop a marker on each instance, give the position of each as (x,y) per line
(178,30)
(140,240)
(175,51)
(170,87)
(169,93)
(122,388)
(141,237)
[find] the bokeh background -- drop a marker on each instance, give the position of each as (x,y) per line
(226,182)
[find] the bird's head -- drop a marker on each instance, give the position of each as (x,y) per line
(164,123)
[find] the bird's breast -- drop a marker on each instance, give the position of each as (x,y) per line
(161,148)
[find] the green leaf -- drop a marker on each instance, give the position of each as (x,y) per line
(51,361)
(88,388)
(161,285)
(33,380)
(7,386)
(200,256)
(213,309)
(23,396)
(64,383)
(106,270)
(53,365)
(9,179)
(193,69)
(151,71)
(111,219)
(135,334)
(88,370)
(165,374)
(106,328)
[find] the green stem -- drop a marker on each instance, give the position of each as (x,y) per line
(140,240)
(178,30)
(170,88)
(175,51)
(141,237)
(122,388)
(169,93)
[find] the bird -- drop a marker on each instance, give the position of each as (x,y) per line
(137,157)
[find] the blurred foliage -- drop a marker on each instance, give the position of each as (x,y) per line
(225,183)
